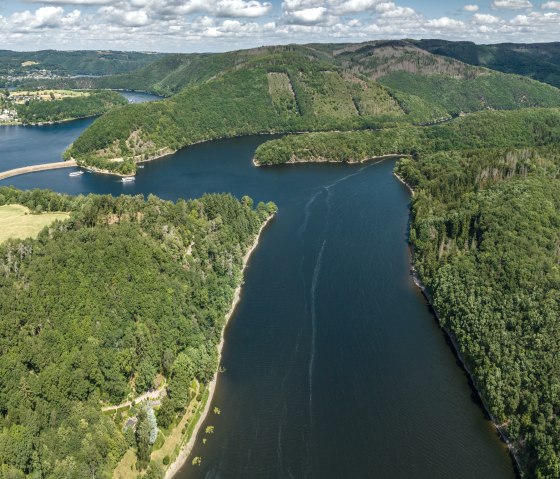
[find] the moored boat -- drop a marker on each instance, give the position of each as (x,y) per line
(127,179)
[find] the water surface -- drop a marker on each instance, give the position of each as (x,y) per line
(33,145)
(334,364)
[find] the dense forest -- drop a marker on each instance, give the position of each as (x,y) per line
(96,308)
(93,104)
(486,234)
(297,88)
(540,61)
(527,127)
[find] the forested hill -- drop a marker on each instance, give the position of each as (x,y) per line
(295,88)
(487,129)
(540,61)
(72,63)
(486,233)
(100,306)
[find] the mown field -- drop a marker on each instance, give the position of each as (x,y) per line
(17,222)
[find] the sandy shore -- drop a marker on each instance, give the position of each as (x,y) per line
(400,178)
(187,448)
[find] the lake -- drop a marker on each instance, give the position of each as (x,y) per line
(334,365)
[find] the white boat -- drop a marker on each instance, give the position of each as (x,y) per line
(140,166)
(127,179)
(76,173)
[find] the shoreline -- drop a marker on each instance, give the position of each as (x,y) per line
(293,161)
(457,351)
(185,452)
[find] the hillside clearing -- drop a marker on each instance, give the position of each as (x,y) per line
(16,222)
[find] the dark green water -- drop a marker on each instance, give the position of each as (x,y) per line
(334,364)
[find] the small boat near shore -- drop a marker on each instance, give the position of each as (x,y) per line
(140,166)
(76,173)
(127,179)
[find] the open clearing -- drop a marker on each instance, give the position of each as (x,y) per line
(16,221)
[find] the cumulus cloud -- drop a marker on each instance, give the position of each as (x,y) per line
(131,18)
(203,25)
(307,16)
(174,8)
(484,18)
(355,6)
(71,2)
(49,17)
(445,23)
(512,4)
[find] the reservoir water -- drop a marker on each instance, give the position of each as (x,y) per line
(333,366)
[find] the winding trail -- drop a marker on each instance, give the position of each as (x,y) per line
(33,168)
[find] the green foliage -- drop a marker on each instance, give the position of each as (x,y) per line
(463,95)
(110,295)
(143,444)
(485,231)
(73,62)
(540,61)
(529,127)
(95,103)
(155,471)
(295,88)
(283,91)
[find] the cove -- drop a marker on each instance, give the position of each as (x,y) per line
(334,365)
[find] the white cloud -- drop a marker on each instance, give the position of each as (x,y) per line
(355,6)
(307,16)
(241,8)
(391,10)
(210,25)
(71,2)
(445,22)
(49,17)
(133,18)
(512,4)
(484,18)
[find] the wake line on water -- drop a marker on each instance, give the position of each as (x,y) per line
(327,188)
(316,273)
(307,212)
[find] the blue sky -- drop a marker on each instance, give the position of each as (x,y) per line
(219,25)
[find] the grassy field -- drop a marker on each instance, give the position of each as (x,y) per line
(17,222)
(45,95)
(126,468)
(282,95)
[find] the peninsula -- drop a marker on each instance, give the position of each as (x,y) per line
(157,281)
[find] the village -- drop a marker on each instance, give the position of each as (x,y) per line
(10,100)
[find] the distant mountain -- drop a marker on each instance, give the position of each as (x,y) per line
(70,63)
(540,61)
